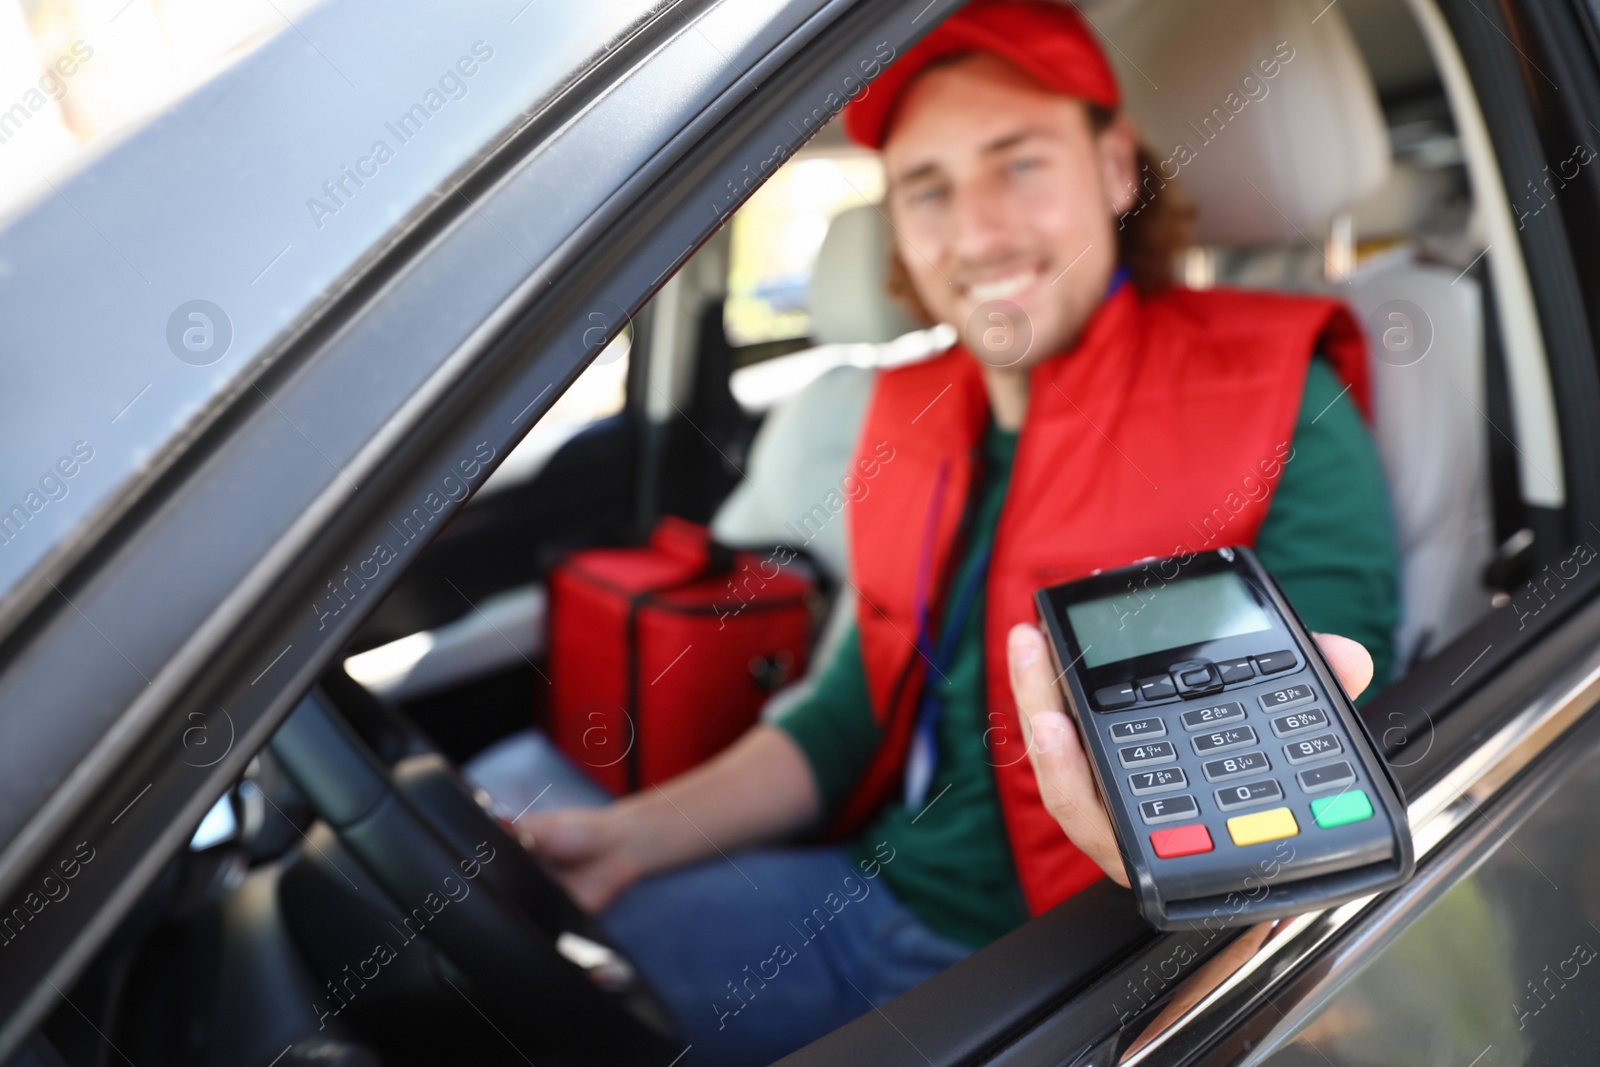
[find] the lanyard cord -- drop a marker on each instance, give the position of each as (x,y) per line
(923,757)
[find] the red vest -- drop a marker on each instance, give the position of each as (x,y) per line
(1163,431)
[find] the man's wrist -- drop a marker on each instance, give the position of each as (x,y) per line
(644,838)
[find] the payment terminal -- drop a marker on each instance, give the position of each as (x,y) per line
(1240,780)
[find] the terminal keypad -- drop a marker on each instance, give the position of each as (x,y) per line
(1271,760)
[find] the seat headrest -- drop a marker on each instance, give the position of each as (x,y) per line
(1270,93)
(1403,203)
(795,488)
(847,300)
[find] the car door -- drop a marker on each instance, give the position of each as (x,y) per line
(277,358)
(180,605)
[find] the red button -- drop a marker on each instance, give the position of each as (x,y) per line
(1181,841)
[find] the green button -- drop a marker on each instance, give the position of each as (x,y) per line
(1344,808)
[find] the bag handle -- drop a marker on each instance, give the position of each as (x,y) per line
(692,543)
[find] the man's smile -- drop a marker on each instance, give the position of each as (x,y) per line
(1002,286)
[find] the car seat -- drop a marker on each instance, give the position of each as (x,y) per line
(1280,168)
(800,455)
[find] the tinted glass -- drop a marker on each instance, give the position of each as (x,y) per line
(74,73)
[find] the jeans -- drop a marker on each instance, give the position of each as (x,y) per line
(755,953)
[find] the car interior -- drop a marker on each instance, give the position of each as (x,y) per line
(732,400)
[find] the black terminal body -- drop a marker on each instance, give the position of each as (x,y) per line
(1240,780)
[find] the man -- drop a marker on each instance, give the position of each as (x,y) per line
(1090,418)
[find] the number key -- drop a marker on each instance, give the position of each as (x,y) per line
(1224,740)
(1168,778)
(1312,748)
(1147,753)
(1247,793)
(1289,697)
(1298,722)
(1215,715)
(1220,770)
(1138,729)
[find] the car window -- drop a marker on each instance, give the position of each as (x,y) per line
(1444,307)
(600,392)
(784,325)
(776,237)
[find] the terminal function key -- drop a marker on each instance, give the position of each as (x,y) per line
(1157,687)
(1267,825)
(1181,841)
(1333,775)
(1341,808)
(1220,770)
(1215,715)
(1138,729)
(1169,809)
(1235,670)
(1290,697)
(1113,697)
(1196,676)
(1148,753)
(1275,662)
(1298,722)
(1232,797)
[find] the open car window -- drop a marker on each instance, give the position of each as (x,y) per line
(777,236)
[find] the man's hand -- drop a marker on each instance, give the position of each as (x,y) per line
(585,849)
(1065,781)
(757,790)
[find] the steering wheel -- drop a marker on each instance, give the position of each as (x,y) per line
(417,830)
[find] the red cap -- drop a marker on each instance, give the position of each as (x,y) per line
(1044,38)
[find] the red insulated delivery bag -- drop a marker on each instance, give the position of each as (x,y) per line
(662,655)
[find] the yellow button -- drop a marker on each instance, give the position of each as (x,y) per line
(1262,826)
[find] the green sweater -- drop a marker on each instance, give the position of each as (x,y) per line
(1328,541)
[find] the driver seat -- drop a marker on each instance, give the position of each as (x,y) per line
(1278,163)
